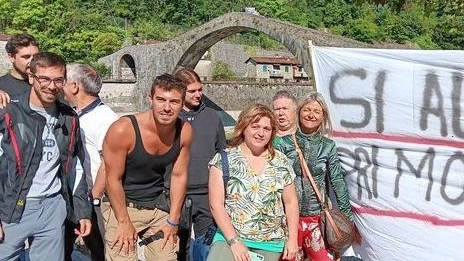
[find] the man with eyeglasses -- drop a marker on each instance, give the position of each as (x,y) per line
(40,139)
(20,49)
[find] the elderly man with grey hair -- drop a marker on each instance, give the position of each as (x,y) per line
(81,91)
(284,105)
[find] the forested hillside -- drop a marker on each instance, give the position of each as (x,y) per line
(84,30)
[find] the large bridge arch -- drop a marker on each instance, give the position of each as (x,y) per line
(295,38)
(194,53)
(186,50)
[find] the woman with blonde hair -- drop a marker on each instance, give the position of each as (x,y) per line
(320,154)
(257,210)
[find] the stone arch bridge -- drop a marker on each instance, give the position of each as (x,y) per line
(144,62)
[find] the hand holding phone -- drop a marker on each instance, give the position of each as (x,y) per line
(255,256)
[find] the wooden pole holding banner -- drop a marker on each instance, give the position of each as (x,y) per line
(337,256)
(311,71)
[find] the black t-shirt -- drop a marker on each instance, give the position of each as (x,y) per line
(13,86)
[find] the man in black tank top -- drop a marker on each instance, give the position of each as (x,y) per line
(138,151)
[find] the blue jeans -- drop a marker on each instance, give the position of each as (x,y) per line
(198,250)
(24,255)
(42,219)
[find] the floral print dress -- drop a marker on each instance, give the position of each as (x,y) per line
(254,200)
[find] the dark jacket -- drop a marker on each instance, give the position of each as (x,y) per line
(22,147)
(208,138)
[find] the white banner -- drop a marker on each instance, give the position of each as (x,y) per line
(398,118)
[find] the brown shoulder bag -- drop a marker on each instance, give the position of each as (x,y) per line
(337,230)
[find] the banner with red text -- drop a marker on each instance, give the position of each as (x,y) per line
(398,119)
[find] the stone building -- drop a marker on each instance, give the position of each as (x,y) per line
(275,69)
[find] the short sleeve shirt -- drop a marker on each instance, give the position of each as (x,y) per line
(13,86)
(254,200)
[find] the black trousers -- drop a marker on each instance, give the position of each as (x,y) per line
(202,220)
(94,241)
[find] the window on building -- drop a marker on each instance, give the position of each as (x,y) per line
(276,67)
(286,69)
(265,68)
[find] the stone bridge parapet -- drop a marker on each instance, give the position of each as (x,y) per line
(228,98)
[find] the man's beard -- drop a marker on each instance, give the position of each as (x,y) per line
(23,74)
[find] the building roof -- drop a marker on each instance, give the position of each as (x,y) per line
(285,60)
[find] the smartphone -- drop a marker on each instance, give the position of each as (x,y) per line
(255,256)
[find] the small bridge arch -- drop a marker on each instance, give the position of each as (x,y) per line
(126,68)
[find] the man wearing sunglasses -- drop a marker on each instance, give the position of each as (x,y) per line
(40,139)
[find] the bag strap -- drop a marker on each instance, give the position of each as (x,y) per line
(306,172)
(305,169)
(225,170)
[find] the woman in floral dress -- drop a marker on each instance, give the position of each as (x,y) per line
(258,211)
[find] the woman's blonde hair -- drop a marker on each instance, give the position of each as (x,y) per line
(252,114)
(326,125)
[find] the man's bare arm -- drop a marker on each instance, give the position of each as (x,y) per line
(178,186)
(116,145)
(115,149)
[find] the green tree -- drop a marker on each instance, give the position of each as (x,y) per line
(363,26)
(449,33)
(336,13)
(273,8)
(6,11)
(84,30)
(222,71)
(105,44)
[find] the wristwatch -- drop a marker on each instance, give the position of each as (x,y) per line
(233,240)
(96,202)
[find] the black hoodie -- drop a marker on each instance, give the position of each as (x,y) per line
(208,138)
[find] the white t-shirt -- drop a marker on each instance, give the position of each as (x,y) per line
(94,125)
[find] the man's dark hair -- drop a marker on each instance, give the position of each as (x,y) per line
(18,41)
(46,59)
(168,82)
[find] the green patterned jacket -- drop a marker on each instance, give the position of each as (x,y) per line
(321,156)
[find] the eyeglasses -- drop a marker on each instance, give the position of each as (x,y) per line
(45,81)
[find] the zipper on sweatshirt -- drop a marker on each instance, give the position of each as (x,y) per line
(14,142)
(71,142)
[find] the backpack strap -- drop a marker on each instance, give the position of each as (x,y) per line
(225,170)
